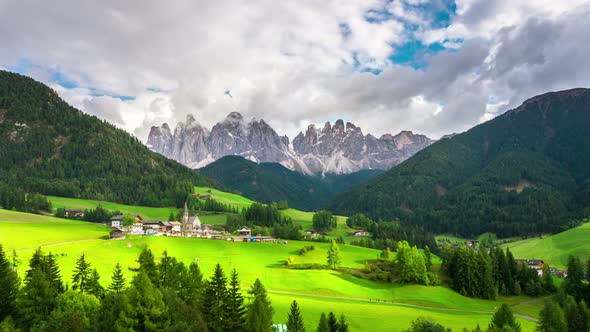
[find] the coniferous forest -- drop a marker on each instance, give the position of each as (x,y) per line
(49,147)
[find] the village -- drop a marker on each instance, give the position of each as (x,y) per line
(190,227)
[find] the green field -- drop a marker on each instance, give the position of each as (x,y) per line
(555,249)
(367,304)
(225,197)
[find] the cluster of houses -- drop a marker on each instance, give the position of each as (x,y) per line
(190,227)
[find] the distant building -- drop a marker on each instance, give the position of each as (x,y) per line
(152,224)
(535,264)
(116,233)
(244,231)
(117,221)
(71,213)
(190,224)
(176,226)
(137,228)
(359,232)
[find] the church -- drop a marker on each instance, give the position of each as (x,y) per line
(191,224)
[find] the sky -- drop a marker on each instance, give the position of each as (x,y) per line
(433,67)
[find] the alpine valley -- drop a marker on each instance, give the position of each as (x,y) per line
(338,149)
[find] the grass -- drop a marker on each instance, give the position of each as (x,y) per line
(367,304)
(160,213)
(555,249)
(225,197)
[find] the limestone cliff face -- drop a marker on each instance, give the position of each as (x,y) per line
(339,148)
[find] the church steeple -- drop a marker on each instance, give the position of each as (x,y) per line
(185,217)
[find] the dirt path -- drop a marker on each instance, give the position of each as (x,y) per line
(57,244)
(400,304)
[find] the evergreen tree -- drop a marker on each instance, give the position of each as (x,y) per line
(94,286)
(295,320)
(323,325)
(573,283)
(425,325)
(427,258)
(333,322)
(551,319)
(82,275)
(15,261)
(547,280)
(41,287)
(503,318)
(213,301)
(334,260)
(385,254)
(260,310)
(342,324)
(144,308)
(147,263)
(235,311)
(170,272)
(118,280)
(171,217)
(109,313)
(9,283)
(576,315)
(192,284)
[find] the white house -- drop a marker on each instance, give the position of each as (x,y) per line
(244,231)
(137,228)
(176,226)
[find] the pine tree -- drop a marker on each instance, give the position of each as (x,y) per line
(260,310)
(171,217)
(323,324)
(342,324)
(234,310)
(15,261)
(503,318)
(551,319)
(547,280)
(334,255)
(144,308)
(147,263)
(295,320)
(385,254)
(41,287)
(9,283)
(427,258)
(333,322)
(573,283)
(191,285)
(118,280)
(213,301)
(94,286)
(82,274)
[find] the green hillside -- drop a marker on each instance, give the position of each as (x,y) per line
(272,182)
(523,172)
(367,304)
(555,249)
(49,147)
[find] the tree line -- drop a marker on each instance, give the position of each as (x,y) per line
(388,234)
(476,273)
(12,198)
(162,295)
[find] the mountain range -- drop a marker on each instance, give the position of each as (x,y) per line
(523,172)
(333,149)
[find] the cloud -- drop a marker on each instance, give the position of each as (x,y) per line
(299,63)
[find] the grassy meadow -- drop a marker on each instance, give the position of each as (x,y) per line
(555,249)
(367,304)
(225,197)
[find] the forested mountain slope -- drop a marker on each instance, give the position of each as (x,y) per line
(272,182)
(50,147)
(525,171)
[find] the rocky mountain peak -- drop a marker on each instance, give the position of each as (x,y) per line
(338,148)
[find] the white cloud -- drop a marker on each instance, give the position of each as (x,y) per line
(289,62)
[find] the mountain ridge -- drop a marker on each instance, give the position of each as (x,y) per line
(522,172)
(339,148)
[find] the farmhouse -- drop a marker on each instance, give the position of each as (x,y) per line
(116,233)
(176,226)
(152,224)
(535,264)
(359,232)
(137,228)
(199,196)
(117,221)
(71,213)
(244,231)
